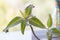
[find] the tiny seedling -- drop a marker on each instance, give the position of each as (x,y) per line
(27,19)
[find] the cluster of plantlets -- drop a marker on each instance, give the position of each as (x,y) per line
(27,19)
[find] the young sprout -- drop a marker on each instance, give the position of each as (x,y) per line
(26,19)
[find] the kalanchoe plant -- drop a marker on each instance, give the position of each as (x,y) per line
(27,19)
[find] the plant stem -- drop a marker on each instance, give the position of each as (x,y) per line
(34,33)
(49,35)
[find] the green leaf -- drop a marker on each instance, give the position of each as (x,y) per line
(36,22)
(14,21)
(55,31)
(28,10)
(49,22)
(23,25)
(22,13)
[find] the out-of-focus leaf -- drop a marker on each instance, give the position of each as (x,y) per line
(36,22)
(28,10)
(49,22)
(55,31)
(23,25)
